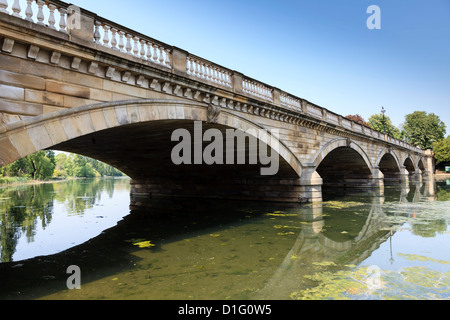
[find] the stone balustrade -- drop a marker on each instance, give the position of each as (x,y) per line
(114,36)
(290,102)
(205,70)
(106,35)
(257,89)
(45,13)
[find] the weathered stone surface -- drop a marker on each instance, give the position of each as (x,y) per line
(40,136)
(68,89)
(12,93)
(44,97)
(21,108)
(22,80)
(23,143)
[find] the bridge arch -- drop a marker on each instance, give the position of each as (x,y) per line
(389,164)
(338,143)
(409,165)
(343,163)
(420,165)
(114,132)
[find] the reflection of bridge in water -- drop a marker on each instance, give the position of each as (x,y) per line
(319,241)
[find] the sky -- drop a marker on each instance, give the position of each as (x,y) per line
(318,50)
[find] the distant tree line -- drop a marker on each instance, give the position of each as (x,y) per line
(44,165)
(421,129)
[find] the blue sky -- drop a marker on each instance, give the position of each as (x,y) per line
(319,50)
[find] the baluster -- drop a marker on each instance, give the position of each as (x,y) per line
(114,39)
(217,75)
(196,68)
(167,60)
(121,43)
(149,51)
(128,46)
(214,74)
(16,9)
(200,69)
(155,54)
(97,34)
(29,11)
(204,71)
(208,72)
(106,35)
(51,18)
(222,77)
(62,20)
(161,55)
(207,67)
(191,69)
(142,49)
(4,6)
(40,14)
(136,49)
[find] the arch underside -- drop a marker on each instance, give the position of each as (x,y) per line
(143,151)
(344,167)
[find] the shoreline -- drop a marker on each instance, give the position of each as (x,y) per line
(28,182)
(37,182)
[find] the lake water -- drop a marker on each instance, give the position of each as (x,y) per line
(390,244)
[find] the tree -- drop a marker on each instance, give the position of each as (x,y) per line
(376,123)
(358,119)
(75,165)
(442,150)
(45,165)
(39,165)
(422,129)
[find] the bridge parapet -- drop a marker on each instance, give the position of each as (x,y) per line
(242,93)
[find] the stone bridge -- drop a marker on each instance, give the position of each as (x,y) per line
(73,81)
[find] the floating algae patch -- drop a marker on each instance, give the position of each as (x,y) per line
(416,257)
(144,244)
(280,214)
(141,243)
(342,204)
(413,283)
(330,286)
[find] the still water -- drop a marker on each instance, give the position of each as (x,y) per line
(390,244)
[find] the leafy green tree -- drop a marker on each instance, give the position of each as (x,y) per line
(82,168)
(422,129)
(376,123)
(45,165)
(442,150)
(39,165)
